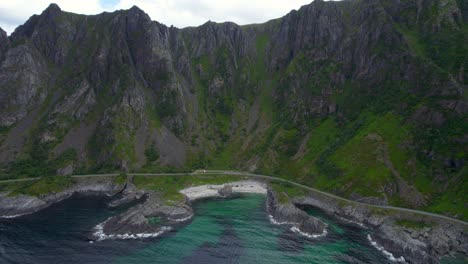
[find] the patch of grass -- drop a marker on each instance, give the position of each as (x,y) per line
(414,41)
(412,224)
(454,201)
(43,186)
(259,69)
(225,158)
(124,134)
(121,178)
(363,172)
(151,153)
(320,138)
(286,191)
(362,158)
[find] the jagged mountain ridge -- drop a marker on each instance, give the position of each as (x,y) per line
(362,98)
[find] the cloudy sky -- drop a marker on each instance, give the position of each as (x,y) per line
(180,13)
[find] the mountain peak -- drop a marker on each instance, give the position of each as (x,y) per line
(4,43)
(136,13)
(51,11)
(136,8)
(53,7)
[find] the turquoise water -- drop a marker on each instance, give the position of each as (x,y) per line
(222,231)
(238,231)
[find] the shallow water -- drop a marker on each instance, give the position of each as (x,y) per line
(222,231)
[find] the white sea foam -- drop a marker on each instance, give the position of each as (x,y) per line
(13,216)
(352,222)
(385,252)
(183,219)
(103,236)
(296,230)
(273,221)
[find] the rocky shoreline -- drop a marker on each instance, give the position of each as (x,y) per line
(425,244)
(154,216)
(15,206)
(289,214)
(150,215)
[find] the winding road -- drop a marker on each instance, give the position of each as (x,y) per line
(260,176)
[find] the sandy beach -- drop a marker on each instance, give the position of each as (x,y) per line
(210,190)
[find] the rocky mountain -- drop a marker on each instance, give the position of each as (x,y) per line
(363,98)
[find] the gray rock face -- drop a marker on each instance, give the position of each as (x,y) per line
(67,170)
(226,191)
(19,205)
(130,194)
(416,245)
(289,213)
(23,79)
(137,219)
(4,44)
(11,206)
(110,87)
(424,245)
(139,82)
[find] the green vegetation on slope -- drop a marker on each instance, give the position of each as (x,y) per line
(44,185)
(287,191)
(358,116)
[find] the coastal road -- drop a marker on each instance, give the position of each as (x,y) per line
(340,198)
(267,177)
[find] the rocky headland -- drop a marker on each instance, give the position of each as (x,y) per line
(156,215)
(403,236)
(12,205)
(150,214)
(289,214)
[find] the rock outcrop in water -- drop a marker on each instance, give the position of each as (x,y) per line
(17,205)
(288,213)
(416,244)
(146,219)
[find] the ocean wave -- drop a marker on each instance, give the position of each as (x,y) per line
(352,222)
(103,236)
(182,219)
(14,216)
(273,221)
(385,252)
(296,230)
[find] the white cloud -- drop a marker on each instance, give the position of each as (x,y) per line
(180,13)
(183,13)
(15,12)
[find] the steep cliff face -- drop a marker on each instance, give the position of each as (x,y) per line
(362,98)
